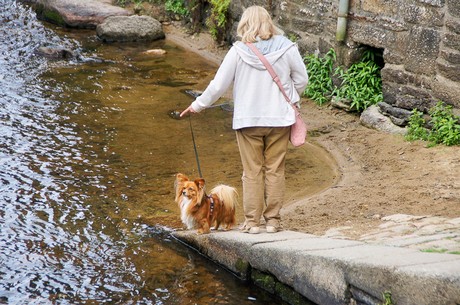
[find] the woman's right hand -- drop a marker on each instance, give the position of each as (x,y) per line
(189,109)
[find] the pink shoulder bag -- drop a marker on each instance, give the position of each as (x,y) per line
(299,128)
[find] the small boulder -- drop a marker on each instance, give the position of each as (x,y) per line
(372,118)
(155,52)
(129,29)
(55,52)
(77,13)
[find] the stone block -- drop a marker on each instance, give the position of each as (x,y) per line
(307,45)
(453,7)
(391,111)
(263,280)
(362,297)
(396,53)
(392,75)
(451,40)
(410,102)
(438,3)
(289,295)
(430,283)
(321,281)
(423,15)
(416,91)
(448,70)
(393,269)
(446,90)
(311,26)
(232,249)
(452,57)
(390,92)
(381,7)
(453,25)
(317,8)
(324,45)
(422,51)
(395,74)
(370,34)
(328,271)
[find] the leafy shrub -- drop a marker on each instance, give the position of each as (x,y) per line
(445,126)
(217,19)
(416,129)
(361,83)
(177,7)
(320,85)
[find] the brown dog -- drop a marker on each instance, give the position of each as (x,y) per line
(201,211)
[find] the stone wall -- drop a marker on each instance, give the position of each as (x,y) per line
(419,39)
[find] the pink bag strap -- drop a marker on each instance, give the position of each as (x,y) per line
(270,70)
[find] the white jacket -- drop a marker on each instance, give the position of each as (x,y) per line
(257,99)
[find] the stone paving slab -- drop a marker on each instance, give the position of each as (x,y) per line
(425,233)
(336,271)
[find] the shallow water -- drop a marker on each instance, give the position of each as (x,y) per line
(88,154)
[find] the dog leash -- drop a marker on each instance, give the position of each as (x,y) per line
(194,146)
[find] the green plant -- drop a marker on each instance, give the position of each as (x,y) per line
(320,86)
(293,37)
(361,83)
(442,250)
(121,3)
(138,5)
(387,298)
(177,7)
(445,126)
(217,19)
(416,129)
(434,250)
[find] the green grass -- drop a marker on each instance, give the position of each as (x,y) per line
(440,250)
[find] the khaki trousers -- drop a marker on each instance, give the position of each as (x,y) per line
(263,155)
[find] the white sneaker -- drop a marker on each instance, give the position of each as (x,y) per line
(250,230)
(271,229)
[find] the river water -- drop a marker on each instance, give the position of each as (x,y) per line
(88,154)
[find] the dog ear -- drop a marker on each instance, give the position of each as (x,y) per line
(178,183)
(181,178)
(200,183)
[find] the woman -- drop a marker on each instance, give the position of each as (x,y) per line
(262,117)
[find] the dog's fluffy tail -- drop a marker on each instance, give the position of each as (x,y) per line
(227,194)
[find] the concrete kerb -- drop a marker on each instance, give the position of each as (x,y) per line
(332,271)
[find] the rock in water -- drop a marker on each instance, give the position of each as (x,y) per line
(77,13)
(130,28)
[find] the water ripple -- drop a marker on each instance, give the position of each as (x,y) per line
(67,230)
(51,246)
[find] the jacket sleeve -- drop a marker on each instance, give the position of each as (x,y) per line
(299,74)
(219,85)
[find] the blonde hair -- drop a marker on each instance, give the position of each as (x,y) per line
(256,22)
